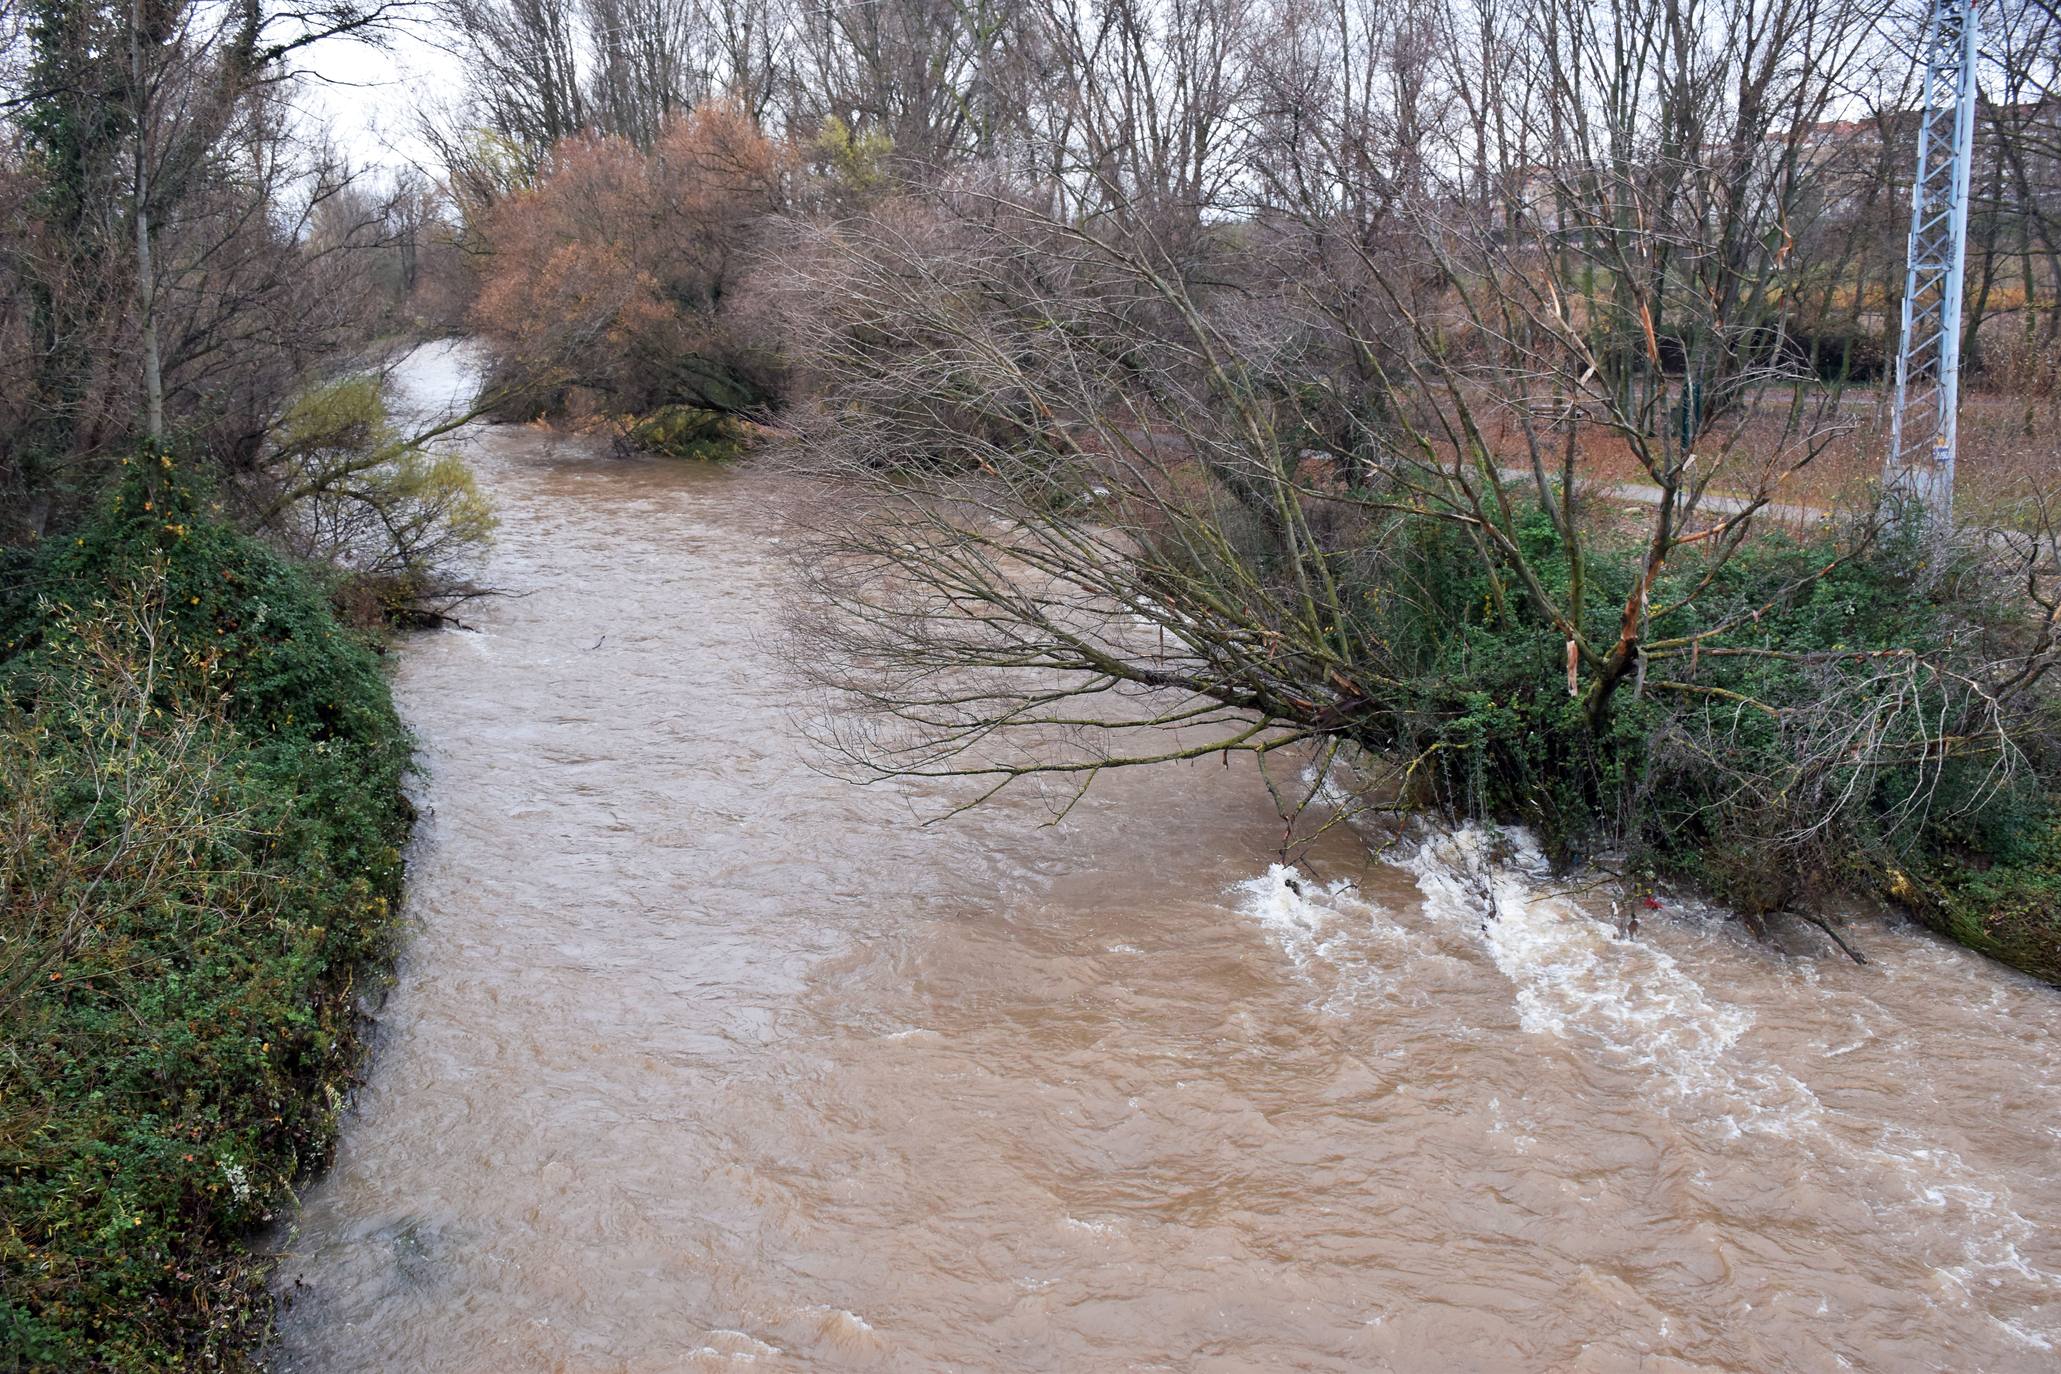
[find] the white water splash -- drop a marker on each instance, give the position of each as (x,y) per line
(1635,1005)
(732,1347)
(1574,978)
(1279,900)
(846,1332)
(1330,934)
(1104,1229)
(2023,1336)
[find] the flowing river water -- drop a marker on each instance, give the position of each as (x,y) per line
(700,1059)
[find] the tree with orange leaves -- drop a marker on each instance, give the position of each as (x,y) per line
(611,283)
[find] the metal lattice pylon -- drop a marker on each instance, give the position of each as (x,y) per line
(1928,360)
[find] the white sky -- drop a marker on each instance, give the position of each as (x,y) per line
(370,95)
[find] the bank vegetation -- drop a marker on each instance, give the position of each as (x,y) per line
(208,513)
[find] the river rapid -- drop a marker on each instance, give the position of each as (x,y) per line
(700,1059)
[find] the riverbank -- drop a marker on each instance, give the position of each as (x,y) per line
(201,823)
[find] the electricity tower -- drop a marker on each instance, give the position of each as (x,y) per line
(1928,359)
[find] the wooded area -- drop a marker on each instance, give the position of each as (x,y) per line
(1265,325)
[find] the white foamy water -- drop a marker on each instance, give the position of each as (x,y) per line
(1279,899)
(1628,1003)
(1330,934)
(1574,978)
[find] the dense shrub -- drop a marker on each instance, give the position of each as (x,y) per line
(611,284)
(1736,774)
(687,432)
(200,831)
(2001,893)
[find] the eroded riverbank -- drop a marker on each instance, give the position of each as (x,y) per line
(698,1056)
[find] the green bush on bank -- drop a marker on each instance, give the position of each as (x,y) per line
(200,832)
(2005,901)
(1737,782)
(689,432)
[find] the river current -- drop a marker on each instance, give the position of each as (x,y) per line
(698,1058)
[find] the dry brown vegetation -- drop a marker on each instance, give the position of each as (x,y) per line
(611,279)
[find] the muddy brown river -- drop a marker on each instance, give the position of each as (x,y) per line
(701,1059)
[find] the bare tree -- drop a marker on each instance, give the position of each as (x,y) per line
(154,252)
(1237,476)
(645,66)
(920,72)
(1103,507)
(524,57)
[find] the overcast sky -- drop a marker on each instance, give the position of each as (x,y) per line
(370,95)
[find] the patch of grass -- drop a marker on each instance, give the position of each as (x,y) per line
(201,824)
